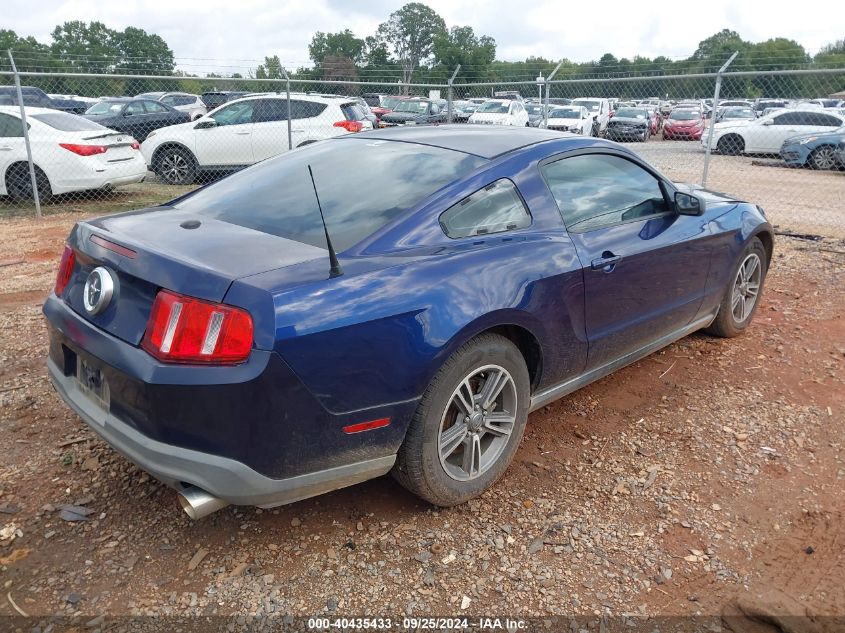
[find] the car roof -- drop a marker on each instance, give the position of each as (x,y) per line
(483,141)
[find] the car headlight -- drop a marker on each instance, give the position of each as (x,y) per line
(809,139)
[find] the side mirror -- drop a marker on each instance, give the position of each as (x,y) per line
(688,204)
(205,124)
(128,113)
(768,122)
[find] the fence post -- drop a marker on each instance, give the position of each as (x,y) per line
(287,92)
(707,149)
(546,100)
(32,177)
(450,95)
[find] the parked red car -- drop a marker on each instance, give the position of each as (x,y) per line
(684,124)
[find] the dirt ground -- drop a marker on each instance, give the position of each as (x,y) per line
(707,479)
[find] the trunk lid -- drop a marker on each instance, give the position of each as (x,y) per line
(177,250)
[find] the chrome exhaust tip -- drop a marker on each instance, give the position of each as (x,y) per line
(197,503)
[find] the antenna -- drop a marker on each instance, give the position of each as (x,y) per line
(336,270)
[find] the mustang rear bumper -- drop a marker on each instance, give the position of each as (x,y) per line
(251,434)
(225,478)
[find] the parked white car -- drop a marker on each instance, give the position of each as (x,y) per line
(245,131)
(70,154)
(182,101)
(500,112)
(573,119)
(766,134)
(599,110)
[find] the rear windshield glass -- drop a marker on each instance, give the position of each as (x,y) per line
(276,196)
(68,122)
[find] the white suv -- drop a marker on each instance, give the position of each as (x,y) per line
(500,112)
(245,131)
(599,111)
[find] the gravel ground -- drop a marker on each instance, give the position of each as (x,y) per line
(705,480)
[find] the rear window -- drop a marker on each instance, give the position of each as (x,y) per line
(276,196)
(353,112)
(67,122)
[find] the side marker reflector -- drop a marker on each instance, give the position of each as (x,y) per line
(366,426)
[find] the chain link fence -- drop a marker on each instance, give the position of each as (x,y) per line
(111,142)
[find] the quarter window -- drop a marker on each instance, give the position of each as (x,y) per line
(494,209)
(594,191)
(271,110)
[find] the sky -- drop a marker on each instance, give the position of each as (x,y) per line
(231,34)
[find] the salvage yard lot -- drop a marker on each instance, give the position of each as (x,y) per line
(706,477)
(800,200)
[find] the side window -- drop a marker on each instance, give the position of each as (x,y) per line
(825,120)
(594,191)
(790,118)
(169,100)
(235,114)
(10,127)
(435,109)
(153,107)
(310,109)
(183,101)
(134,108)
(270,110)
(494,209)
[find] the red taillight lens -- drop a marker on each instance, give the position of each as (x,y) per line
(136,145)
(65,270)
(350,126)
(85,150)
(186,330)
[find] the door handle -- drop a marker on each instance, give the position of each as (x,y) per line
(606,262)
(242,133)
(5,148)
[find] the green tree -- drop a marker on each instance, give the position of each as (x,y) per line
(86,47)
(460,45)
(270,69)
(142,53)
(410,33)
(341,44)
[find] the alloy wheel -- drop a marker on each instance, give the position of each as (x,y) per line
(746,288)
(824,158)
(174,168)
(477,422)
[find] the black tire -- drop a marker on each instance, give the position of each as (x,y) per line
(823,157)
(731,145)
(175,165)
(19,183)
(646,134)
(419,466)
(727,323)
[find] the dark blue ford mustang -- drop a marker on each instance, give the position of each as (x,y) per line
(486,273)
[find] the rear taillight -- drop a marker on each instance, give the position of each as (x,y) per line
(65,270)
(136,145)
(85,150)
(186,330)
(350,126)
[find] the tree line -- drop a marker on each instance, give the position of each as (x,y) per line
(414,45)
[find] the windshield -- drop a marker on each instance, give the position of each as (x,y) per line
(106,107)
(493,107)
(565,113)
(632,113)
(276,195)
(685,115)
(592,106)
(390,102)
(67,122)
(417,107)
(738,113)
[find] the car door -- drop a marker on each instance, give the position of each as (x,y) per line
(644,266)
(770,136)
(270,127)
(12,148)
(134,120)
(228,142)
(159,115)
